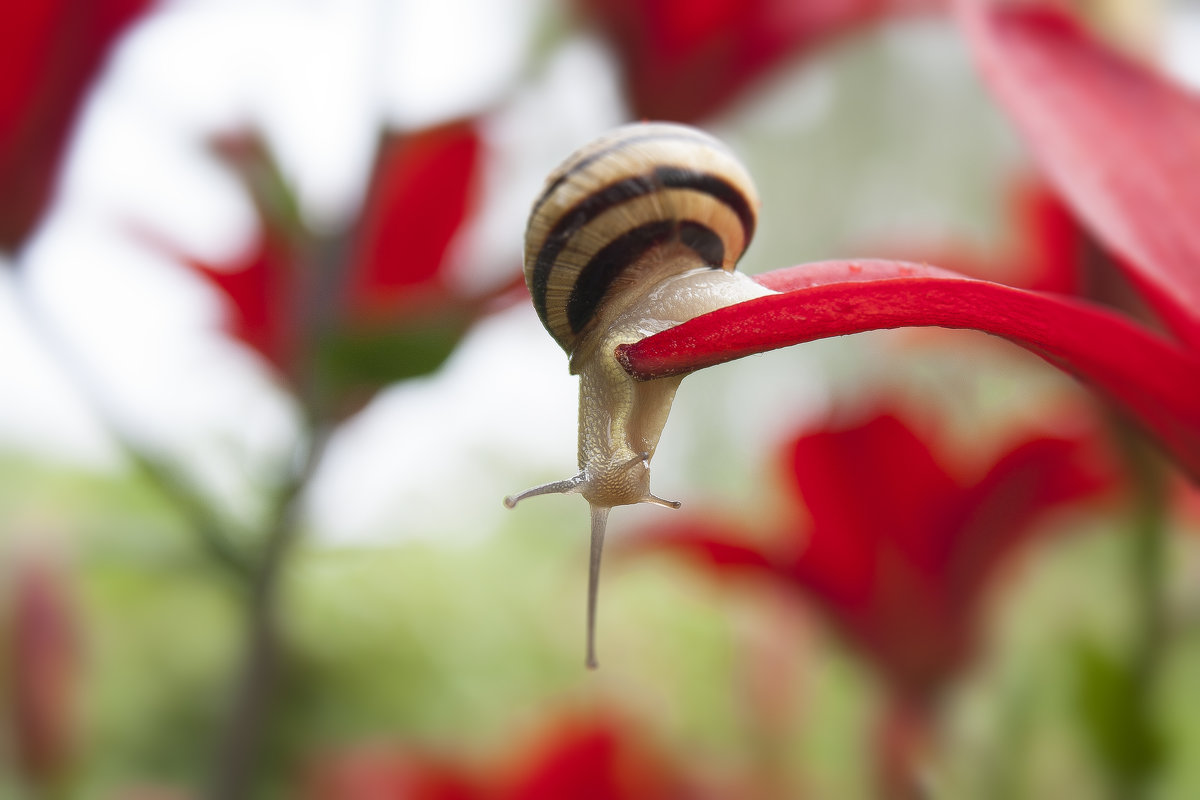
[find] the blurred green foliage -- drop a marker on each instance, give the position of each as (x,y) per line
(463,648)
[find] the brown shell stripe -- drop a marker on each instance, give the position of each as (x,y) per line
(608,263)
(600,272)
(635,135)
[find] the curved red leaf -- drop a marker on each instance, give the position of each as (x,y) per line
(1119,142)
(1153,379)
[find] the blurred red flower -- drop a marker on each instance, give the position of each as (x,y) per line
(1044,247)
(356,309)
(683,60)
(43,658)
(50,51)
(1136,188)
(424,189)
(591,759)
(390,775)
(894,543)
(570,757)
(257,286)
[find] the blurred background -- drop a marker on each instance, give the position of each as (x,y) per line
(269,368)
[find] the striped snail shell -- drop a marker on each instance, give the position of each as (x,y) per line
(634,233)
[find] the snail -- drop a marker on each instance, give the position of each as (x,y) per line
(634,233)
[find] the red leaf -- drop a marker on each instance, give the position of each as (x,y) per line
(684,59)
(1120,143)
(49,52)
(1154,380)
(897,547)
(424,186)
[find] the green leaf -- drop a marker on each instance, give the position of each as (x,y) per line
(356,362)
(1117,714)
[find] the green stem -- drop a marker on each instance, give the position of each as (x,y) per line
(1148,576)
(240,738)
(317,265)
(195,510)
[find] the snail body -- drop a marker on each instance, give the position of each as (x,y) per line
(634,233)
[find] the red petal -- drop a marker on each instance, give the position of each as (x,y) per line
(1035,476)
(262,282)
(1153,379)
(1055,246)
(1118,141)
(1043,246)
(371,774)
(723,547)
(49,52)
(423,188)
(260,290)
(595,759)
(865,586)
(908,487)
(901,572)
(685,59)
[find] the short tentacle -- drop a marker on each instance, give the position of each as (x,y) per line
(568,486)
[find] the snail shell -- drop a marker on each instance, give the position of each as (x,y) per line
(628,194)
(634,233)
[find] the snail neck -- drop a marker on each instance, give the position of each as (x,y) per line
(621,418)
(620,422)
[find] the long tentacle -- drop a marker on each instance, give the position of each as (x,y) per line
(599,523)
